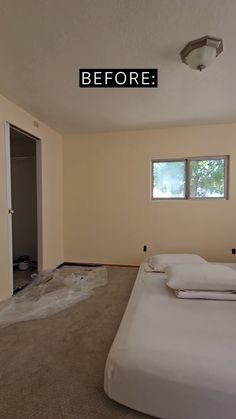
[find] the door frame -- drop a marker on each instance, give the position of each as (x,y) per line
(8,125)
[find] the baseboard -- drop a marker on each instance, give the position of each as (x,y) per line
(122,266)
(60,266)
(96,265)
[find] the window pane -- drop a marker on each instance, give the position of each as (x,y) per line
(169,179)
(207,178)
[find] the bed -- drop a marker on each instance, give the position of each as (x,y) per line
(174,358)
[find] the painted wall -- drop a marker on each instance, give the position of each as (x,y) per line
(52,202)
(108,214)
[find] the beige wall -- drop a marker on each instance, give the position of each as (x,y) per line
(108,214)
(52,203)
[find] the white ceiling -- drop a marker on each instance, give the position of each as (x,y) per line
(43,43)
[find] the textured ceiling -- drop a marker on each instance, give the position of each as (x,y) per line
(44,43)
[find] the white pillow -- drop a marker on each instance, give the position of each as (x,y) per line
(159,263)
(203,276)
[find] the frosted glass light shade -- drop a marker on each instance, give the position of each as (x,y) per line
(200,53)
(200,58)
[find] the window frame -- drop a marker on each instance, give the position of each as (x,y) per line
(187,161)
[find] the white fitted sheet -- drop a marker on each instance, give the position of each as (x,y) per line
(174,358)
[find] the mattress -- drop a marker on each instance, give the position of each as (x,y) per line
(174,358)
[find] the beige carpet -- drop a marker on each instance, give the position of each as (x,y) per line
(53,368)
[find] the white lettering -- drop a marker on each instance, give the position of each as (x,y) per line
(145,76)
(86,75)
(107,77)
(133,76)
(97,77)
(116,78)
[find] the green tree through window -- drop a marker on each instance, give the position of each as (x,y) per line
(190,178)
(207,178)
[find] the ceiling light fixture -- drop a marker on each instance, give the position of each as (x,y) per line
(200,53)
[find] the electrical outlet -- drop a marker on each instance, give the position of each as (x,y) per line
(233,251)
(145,248)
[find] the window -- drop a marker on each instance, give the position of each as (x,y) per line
(192,178)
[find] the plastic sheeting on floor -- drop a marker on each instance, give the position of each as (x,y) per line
(51,292)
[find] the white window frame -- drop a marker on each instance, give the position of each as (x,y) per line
(187,161)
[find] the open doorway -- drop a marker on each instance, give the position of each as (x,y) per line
(24,206)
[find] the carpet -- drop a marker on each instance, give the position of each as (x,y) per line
(53,368)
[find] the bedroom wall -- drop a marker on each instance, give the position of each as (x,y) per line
(52,202)
(108,214)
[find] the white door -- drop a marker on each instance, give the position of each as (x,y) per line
(17,165)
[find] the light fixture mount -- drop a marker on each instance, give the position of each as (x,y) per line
(199,53)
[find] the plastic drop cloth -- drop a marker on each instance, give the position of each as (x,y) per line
(51,292)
